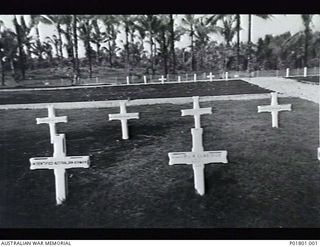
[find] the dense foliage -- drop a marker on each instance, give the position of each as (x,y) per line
(148,42)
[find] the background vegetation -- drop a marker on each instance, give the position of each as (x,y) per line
(149,46)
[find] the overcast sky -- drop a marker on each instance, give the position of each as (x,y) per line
(276,25)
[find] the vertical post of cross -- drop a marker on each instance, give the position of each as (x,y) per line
(124,122)
(145,79)
(305,72)
(59,151)
(198,168)
(287,72)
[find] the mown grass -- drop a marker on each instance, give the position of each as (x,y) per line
(271,180)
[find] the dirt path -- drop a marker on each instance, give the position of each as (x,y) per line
(288,87)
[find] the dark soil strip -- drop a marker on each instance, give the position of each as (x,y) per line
(132,92)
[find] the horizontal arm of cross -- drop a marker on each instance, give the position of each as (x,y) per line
(199,111)
(271,108)
(121,116)
(47,120)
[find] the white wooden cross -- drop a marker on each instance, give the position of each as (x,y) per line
(196,111)
(123,116)
(59,163)
(52,120)
(274,108)
(162,79)
(198,158)
(210,76)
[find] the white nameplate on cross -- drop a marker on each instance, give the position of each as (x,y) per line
(196,111)
(162,79)
(52,120)
(198,158)
(123,116)
(274,108)
(59,163)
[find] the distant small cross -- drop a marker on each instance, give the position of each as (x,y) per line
(274,108)
(162,79)
(210,76)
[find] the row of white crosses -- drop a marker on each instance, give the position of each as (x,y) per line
(197,157)
(60,161)
(162,79)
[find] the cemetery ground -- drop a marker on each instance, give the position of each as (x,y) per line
(271,179)
(307,79)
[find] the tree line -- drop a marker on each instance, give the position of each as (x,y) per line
(150,43)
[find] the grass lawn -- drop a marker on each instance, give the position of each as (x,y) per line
(132,92)
(272,178)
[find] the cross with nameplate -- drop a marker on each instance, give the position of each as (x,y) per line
(162,79)
(274,108)
(52,120)
(196,111)
(198,158)
(59,163)
(123,116)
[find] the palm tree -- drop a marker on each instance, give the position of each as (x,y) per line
(262,16)
(54,41)
(111,23)
(162,37)
(307,20)
(75,42)
(172,39)
(202,30)
(189,22)
(58,21)
(126,21)
(66,20)
(20,46)
(2,53)
(85,29)
(97,36)
(148,26)
(8,49)
(34,22)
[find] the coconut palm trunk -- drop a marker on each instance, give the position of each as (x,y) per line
(75,40)
(172,38)
(60,40)
(20,48)
(2,71)
(238,42)
(127,48)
